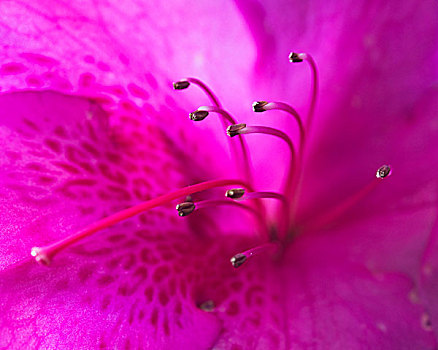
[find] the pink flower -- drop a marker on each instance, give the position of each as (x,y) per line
(90,126)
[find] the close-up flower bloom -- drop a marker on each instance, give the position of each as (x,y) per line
(296,139)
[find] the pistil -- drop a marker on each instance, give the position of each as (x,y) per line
(44,255)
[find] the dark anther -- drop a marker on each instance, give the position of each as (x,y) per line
(237,260)
(383,171)
(181,85)
(233,130)
(198,115)
(258,106)
(295,57)
(185,208)
(235,193)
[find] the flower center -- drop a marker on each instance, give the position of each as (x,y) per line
(245,198)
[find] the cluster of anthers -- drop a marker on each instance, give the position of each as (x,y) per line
(241,190)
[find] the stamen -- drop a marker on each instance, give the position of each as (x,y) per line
(240,258)
(185,83)
(300,57)
(185,208)
(382,173)
(254,195)
(202,112)
(215,202)
(241,129)
(263,106)
(295,187)
(44,255)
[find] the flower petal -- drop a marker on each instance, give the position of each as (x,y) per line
(120,45)
(339,305)
(429,282)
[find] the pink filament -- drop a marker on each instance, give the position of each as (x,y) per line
(206,90)
(340,209)
(283,210)
(297,180)
(286,108)
(211,203)
(315,87)
(243,146)
(263,248)
(284,137)
(226,116)
(220,111)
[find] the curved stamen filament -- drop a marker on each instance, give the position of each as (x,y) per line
(339,210)
(227,116)
(296,183)
(300,57)
(262,106)
(315,88)
(45,254)
(241,129)
(243,146)
(182,84)
(240,258)
(262,130)
(214,203)
(283,210)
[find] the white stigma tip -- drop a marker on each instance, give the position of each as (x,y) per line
(40,256)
